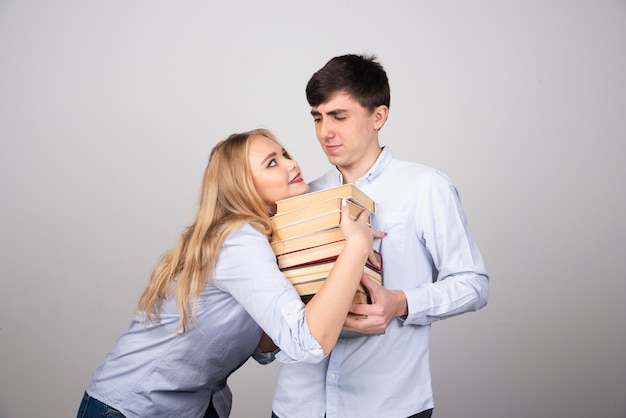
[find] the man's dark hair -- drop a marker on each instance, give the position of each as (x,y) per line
(361,76)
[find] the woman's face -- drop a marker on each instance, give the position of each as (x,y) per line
(274,175)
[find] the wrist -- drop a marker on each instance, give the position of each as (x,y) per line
(402,307)
(358,248)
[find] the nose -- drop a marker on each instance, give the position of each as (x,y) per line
(325,129)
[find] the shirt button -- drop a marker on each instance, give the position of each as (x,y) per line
(331,376)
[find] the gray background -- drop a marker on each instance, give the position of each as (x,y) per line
(108,111)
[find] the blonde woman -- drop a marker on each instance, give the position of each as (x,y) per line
(210,297)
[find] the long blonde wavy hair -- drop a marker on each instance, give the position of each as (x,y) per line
(228,199)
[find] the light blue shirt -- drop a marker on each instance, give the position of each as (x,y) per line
(430,255)
(153,371)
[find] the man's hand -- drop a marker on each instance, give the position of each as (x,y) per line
(386,305)
(266,344)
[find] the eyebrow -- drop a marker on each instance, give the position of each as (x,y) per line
(269,157)
(331,113)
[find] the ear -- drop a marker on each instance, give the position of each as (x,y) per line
(380,116)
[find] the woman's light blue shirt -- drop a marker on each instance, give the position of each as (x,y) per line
(155,371)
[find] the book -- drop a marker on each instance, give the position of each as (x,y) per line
(306,241)
(307,238)
(316,269)
(320,276)
(347,191)
(316,217)
(319,270)
(314,210)
(314,274)
(306,255)
(309,289)
(359,297)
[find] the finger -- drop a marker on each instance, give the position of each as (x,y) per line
(359,309)
(351,324)
(354,323)
(378,234)
(371,286)
(364,216)
(372,259)
(345,212)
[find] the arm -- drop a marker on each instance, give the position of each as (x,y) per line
(388,304)
(462,282)
(327,310)
(303,333)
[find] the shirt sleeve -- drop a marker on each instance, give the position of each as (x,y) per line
(247,269)
(462,281)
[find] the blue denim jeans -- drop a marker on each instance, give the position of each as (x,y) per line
(93,408)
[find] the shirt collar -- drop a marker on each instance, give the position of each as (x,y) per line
(384,158)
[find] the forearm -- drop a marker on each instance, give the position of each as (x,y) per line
(328,309)
(451,296)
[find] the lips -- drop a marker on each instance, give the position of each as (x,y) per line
(296,179)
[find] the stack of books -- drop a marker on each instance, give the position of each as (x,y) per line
(308,239)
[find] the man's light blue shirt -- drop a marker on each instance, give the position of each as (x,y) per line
(428,253)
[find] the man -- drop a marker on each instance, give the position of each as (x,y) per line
(432,268)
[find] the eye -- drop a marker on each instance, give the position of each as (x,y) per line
(272,163)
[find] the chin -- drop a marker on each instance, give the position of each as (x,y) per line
(298,189)
(334,159)
(304,188)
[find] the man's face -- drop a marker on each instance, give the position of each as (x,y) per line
(348,133)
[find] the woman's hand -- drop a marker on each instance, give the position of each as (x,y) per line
(359,231)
